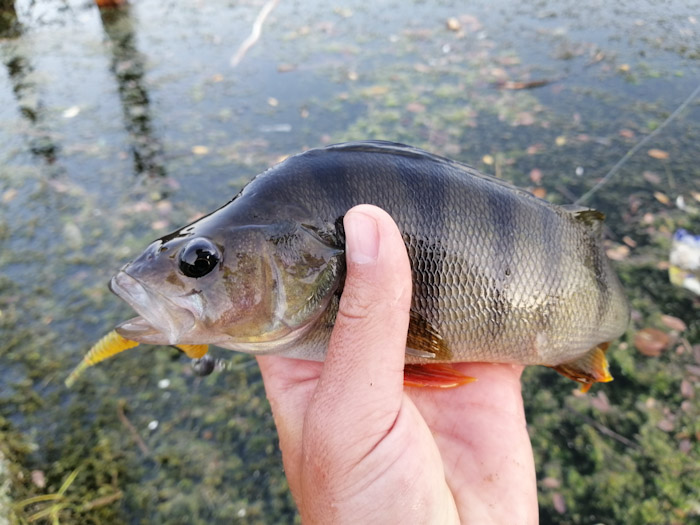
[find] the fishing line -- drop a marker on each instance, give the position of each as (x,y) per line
(637,146)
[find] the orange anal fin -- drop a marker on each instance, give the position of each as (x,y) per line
(590,368)
(109,345)
(194,351)
(434,375)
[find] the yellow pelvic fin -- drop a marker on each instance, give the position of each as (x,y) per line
(194,351)
(590,368)
(109,345)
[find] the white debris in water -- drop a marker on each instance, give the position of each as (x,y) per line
(579,171)
(153,425)
(164,383)
(241,513)
(685,261)
(276,128)
(71,112)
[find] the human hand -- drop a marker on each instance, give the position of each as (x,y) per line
(358,447)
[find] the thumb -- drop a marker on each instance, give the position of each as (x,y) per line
(361,383)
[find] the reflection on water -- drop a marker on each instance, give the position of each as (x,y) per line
(128,68)
(27,95)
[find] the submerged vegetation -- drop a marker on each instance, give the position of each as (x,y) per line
(109,141)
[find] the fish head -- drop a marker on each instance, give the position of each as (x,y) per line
(246,287)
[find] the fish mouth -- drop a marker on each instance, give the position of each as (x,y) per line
(161,321)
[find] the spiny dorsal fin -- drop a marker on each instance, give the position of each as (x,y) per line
(424,339)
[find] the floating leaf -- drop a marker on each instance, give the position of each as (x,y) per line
(9,195)
(674,323)
(651,342)
(618,252)
(657,154)
(539,192)
(551,483)
(375,91)
(415,107)
(629,241)
(651,177)
(662,198)
(453,24)
(627,133)
(559,502)
(687,389)
(536,175)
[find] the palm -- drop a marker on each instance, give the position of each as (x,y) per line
(478,431)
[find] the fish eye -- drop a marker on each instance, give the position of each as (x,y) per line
(199,257)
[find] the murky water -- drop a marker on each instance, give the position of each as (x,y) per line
(117,126)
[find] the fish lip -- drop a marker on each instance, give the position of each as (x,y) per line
(157,312)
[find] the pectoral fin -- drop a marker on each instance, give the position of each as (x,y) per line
(590,368)
(194,351)
(425,341)
(434,375)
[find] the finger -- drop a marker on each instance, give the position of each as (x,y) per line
(361,384)
(289,385)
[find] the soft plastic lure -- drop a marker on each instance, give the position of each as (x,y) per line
(112,344)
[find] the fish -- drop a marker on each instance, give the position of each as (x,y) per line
(499,275)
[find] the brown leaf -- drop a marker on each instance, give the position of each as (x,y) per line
(695,370)
(666,425)
(9,195)
(453,24)
(415,107)
(536,175)
(600,402)
(687,389)
(657,154)
(674,323)
(551,483)
(559,502)
(662,198)
(629,241)
(539,192)
(618,252)
(627,133)
(651,177)
(651,342)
